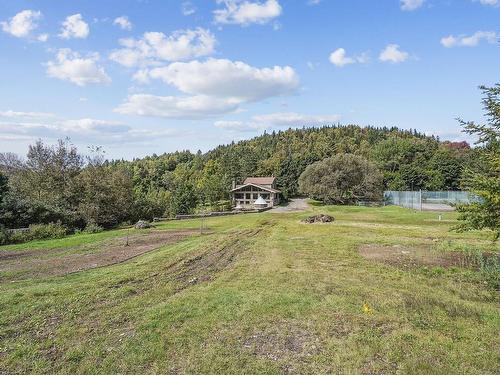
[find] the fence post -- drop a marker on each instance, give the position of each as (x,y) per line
(420,199)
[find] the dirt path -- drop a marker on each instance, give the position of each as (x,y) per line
(16,265)
(295,205)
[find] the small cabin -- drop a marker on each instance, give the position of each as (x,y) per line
(254,192)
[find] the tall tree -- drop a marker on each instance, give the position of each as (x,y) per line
(342,179)
(106,192)
(483,176)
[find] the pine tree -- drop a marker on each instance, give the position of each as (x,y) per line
(483,177)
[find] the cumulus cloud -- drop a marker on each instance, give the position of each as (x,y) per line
(339,58)
(70,66)
(228,79)
(74,27)
(198,106)
(22,24)
(154,47)
(123,22)
(212,87)
(470,41)
(393,54)
(244,12)
(277,120)
(409,5)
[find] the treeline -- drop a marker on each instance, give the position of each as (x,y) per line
(58,184)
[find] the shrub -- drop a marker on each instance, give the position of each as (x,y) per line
(93,228)
(4,236)
(47,231)
(37,232)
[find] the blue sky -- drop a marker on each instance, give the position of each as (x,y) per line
(151,76)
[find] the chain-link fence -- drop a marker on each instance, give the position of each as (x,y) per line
(428,200)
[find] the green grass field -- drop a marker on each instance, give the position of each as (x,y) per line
(262,294)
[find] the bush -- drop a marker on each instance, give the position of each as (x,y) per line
(92,228)
(38,232)
(4,236)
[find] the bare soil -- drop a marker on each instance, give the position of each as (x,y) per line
(285,342)
(215,257)
(412,257)
(22,264)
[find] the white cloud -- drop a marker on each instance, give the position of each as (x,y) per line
(313,2)
(175,107)
(409,5)
(74,27)
(291,119)
(123,22)
(213,87)
(490,2)
(93,125)
(154,47)
(42,37)
(244,12)
(188,8)
(339,58)
(25,115)
(22,24)
(70,66)
(223,78)
(277,120)
(312,65)
(238,126)
(30,126)
(59,128)
(393,54)
(141,76)
(470,41)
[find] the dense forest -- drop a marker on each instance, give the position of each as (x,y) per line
(56,183)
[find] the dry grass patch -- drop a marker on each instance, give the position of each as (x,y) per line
(23,264)
(412,256)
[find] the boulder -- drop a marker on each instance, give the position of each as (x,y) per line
(142,224)
(321,218)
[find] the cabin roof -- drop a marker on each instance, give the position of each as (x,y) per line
(263,187)
(260,180)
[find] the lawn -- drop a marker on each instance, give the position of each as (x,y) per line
(263,294)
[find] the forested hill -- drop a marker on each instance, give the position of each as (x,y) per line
(408,159)
(56,183)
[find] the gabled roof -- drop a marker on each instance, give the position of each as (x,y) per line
(263,187)
(260,180)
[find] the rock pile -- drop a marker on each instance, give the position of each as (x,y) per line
(321,218)
(142,224)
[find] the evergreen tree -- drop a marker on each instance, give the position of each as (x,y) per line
(483,177)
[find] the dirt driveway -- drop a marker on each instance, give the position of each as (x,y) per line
(295,205)
(23,264)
